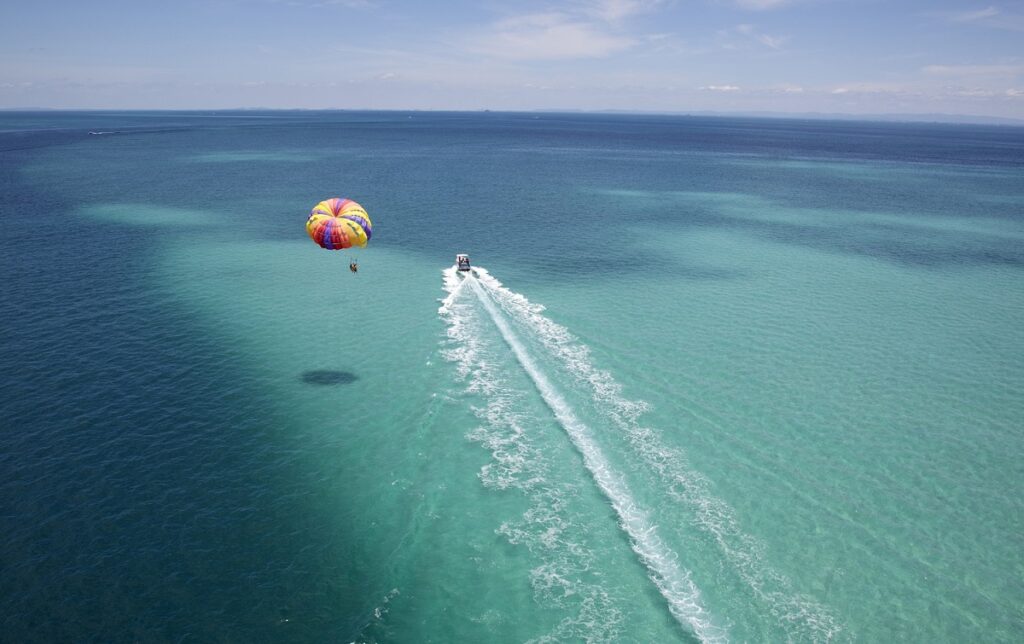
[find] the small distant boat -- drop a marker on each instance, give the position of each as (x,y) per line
(462,262)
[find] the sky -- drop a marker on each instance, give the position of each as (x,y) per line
(831,56)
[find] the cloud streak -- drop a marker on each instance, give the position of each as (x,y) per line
(615,10)
(974,70)
(761,5)
(548,37)
(973,16)
(772,42)
(557,35)
(991,16)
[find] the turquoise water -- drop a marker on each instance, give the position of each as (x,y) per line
(715,380)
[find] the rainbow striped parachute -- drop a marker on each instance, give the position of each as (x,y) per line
(339,223)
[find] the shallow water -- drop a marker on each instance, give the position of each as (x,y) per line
(717,379)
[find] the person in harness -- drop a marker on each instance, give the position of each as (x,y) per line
(354,267)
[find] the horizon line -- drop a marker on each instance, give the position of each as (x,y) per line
(910,117)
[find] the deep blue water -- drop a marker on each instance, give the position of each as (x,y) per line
(211,433)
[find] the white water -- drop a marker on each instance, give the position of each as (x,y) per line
(673,582)
(800,616)
(552,528)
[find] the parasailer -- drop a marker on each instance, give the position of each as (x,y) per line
(338,223)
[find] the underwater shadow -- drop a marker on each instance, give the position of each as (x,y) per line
(644,261)
(908,244)
(900,244)
(328,377)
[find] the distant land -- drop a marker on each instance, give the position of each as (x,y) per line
(968,119)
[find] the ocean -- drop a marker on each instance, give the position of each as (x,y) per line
(713,379)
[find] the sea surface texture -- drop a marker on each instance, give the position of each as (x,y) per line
(714,379)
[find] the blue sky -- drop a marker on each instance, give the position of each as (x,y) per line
(851,56)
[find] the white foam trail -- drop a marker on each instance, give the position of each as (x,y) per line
(672,580)
(453,284)
(799,615)
(550,528)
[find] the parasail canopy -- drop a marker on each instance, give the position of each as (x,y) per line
(339,223)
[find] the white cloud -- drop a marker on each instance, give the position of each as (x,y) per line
(615,10)
(761,5)
(973,70)
(979,92)
(775,42)
(972,16)
(916,91)
(548,36)
(579,29)
(720,88)
(348,4)
(975,92)
(990,16)
(874,88)
(750,31)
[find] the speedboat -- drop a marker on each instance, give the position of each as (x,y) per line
(462,262)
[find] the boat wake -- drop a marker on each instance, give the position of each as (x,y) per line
(672,581)
(550,528)
(517,319)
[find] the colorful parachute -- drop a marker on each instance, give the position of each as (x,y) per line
(339,223)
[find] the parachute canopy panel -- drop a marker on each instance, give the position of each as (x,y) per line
(339,223)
